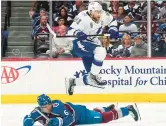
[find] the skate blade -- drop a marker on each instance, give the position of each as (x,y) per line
(101,87)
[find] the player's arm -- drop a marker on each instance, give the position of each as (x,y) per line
(112,25)
(29,120)
(35,22)
(113,30)
(67,118)
(77,28)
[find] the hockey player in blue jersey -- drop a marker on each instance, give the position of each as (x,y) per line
(90,22)
(55,113)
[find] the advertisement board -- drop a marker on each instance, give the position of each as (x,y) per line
(133,78)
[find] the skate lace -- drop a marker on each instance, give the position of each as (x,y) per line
(72,88)
(99,79)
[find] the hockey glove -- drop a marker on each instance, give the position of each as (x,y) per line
(114,33)
(55,122)
(28,121)
(81,35)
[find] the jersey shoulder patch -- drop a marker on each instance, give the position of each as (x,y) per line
(56,103)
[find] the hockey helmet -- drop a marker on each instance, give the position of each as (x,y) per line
(93,6)
(43,100)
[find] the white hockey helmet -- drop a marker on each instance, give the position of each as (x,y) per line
(93,6)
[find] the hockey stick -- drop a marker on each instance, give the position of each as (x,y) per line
(66,36)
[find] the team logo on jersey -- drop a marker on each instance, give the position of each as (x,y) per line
(55,104)
(10,74)
(91,25)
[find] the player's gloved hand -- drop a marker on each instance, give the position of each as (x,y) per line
(28,121)
(81,35)
(55,122)
(114,33)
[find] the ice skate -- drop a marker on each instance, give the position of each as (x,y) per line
(133,112)
(70,84)
(95,81)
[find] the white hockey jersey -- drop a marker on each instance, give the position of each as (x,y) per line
(83,22)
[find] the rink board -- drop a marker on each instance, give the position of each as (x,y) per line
(132,80)
(86,98)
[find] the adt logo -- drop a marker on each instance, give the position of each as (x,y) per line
(10,74)
(80,74)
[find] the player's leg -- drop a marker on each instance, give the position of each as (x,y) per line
(110,113)
(93,117)
(92,56)
(87,61)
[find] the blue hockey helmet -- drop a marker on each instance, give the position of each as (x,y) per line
(43,100)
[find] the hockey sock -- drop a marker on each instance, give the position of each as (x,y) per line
(99,56)
(109,116)
(96,66)
(123,112)
(114,114)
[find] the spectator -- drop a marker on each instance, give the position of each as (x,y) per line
(128,26)
(61,22)
(106,44)
(120,16)
(140,47)
(41,28)
(114,5)
(61,47)
(134,10)
(4,42)
(38,5)
(162,27)
(163,12)
(40,45)
(82,7)
(58,5)
(124,50)
(143,27)
(76,7)
(37,19)
(61,31)
(164,47)
(69,7)
(143,4)
(63,14)
(154,11)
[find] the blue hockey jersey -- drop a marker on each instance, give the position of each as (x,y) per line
(70,114)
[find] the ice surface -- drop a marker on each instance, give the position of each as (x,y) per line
(153,114)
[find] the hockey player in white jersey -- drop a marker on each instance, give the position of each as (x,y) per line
(90,22)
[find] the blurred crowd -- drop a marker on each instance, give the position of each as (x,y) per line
(132,24)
